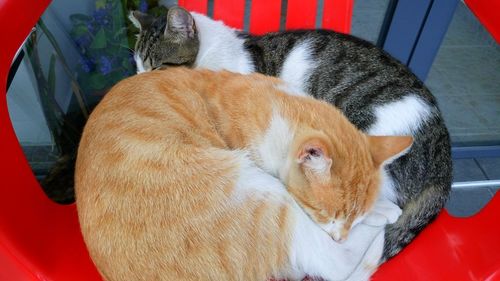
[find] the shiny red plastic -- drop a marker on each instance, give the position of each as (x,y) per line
(230,11)
(265,16)
(40,240)
(337,15)
(457,249)
(301,14)
(199,6)
(488,13)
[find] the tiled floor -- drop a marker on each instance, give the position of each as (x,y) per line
(467,201)
(465,78)
(367,19)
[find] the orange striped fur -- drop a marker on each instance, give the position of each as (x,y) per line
(160,176)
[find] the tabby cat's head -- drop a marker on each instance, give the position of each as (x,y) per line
(337,183)
(167,40)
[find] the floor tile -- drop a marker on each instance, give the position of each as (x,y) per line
(470,70)
(466,202)
(437,82)
(465,78)
(371,5)
(367,18)
(465,29)
(367,25)
(491,166)
(458,112)
(466,170)
(487,108)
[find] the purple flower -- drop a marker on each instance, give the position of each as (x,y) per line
(131,59)
(105,65)
(101,17)
(86,64)
(90,27)
(83,41)
(127,73)
(143,6)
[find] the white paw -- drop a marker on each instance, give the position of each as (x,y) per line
(383,210)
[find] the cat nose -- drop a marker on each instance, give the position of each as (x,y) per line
(336,235)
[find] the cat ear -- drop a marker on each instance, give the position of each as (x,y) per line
(314,159)
(180,22)
(140,19)
(385,149)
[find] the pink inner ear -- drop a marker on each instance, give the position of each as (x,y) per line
(314,151)
(309,151)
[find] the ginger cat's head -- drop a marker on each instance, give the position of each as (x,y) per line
(336,182)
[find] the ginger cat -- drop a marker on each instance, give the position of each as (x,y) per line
(197,175)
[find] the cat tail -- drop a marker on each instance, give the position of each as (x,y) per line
(417,213)
(59,182)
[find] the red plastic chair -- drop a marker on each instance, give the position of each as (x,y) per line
(487,13)
(457,249)
(41,240)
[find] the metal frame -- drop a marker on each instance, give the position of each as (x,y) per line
(404,28)
(431,35)
(469,184)
(475,152)
(413,31)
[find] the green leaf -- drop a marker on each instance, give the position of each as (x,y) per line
(114,50)
(121,35)
(117,17)
(97,81)
(99,41)
(79,18)
(115,76)
(100,4)
(52,76)
(79,30)
(126,63)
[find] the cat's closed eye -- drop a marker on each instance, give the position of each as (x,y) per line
(165,65)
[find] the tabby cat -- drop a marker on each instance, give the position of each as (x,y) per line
(375,91)
(181,175)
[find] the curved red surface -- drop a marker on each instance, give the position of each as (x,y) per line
(457,249)
(265,15)
(488,13)
(230,11)
(40,240)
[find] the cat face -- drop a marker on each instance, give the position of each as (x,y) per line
(338,186)
(163,41)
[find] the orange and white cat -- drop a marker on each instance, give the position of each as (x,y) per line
(197,175)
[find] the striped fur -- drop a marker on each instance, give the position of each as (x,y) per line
(377,93)
(177,179)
